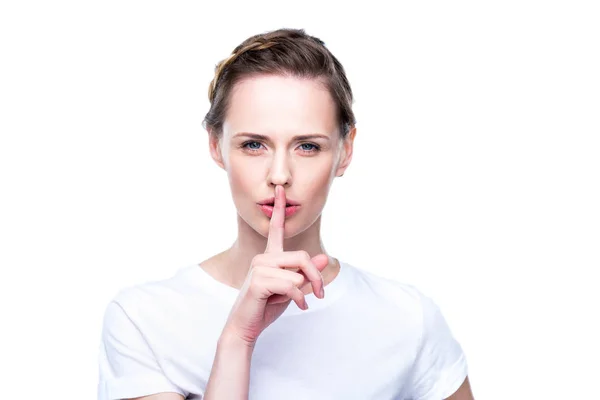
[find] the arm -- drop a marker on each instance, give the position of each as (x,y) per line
(230,373)
(463,393)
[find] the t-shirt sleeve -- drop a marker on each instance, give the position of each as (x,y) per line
(440,366)
(127,365)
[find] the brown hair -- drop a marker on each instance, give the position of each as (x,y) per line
(283,52)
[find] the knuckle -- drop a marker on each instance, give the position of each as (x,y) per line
(298,279)
(304,254)
(289,287)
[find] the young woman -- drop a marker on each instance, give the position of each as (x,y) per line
(274,316)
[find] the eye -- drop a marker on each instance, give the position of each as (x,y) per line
(252,149)
(315,148)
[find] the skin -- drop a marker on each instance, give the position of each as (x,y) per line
(266,293)
(279,108)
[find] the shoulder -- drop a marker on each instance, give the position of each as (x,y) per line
(438,363)
(396,292)
(400,302)
(149,301)
(135,331)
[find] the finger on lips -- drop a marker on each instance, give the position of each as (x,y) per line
(277,223)
(297,262)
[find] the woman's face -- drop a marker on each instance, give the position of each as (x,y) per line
(281,131)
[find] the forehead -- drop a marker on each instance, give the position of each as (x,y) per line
(280,105)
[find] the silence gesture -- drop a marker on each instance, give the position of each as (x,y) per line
(274,280)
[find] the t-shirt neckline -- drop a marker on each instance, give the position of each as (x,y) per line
(228,294)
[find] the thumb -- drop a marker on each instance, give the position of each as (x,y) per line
(321,261)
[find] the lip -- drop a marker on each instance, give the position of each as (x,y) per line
(268,210)
(271,200)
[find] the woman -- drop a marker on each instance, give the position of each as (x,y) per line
(281,125)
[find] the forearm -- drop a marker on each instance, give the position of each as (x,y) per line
(230,375)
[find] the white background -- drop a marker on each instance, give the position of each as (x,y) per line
(476,173)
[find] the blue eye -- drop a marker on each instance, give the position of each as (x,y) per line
(314,147)
(253,147)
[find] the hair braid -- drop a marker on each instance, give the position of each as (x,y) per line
(290,52)
(224,63)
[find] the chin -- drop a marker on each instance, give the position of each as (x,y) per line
(293,226)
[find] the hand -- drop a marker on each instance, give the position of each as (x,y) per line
(269,287)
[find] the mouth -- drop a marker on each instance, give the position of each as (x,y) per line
(267,209)
(271,202)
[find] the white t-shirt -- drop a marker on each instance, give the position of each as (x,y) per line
(369,338)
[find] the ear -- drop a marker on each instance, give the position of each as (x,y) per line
(214,147)
(347,149)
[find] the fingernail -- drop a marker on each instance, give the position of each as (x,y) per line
(322,292)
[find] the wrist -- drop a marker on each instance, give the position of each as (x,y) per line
(230,339)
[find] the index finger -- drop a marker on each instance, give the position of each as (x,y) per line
(277,224)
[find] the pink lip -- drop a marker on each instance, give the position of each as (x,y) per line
(271,200)
(268,210)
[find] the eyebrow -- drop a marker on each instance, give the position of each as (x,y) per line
(297,137)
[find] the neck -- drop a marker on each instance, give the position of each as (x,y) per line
(249,243)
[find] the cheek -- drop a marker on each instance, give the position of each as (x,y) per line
(242,177)
(321,184)
(315,183)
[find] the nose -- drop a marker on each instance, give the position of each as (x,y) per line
(279,172)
